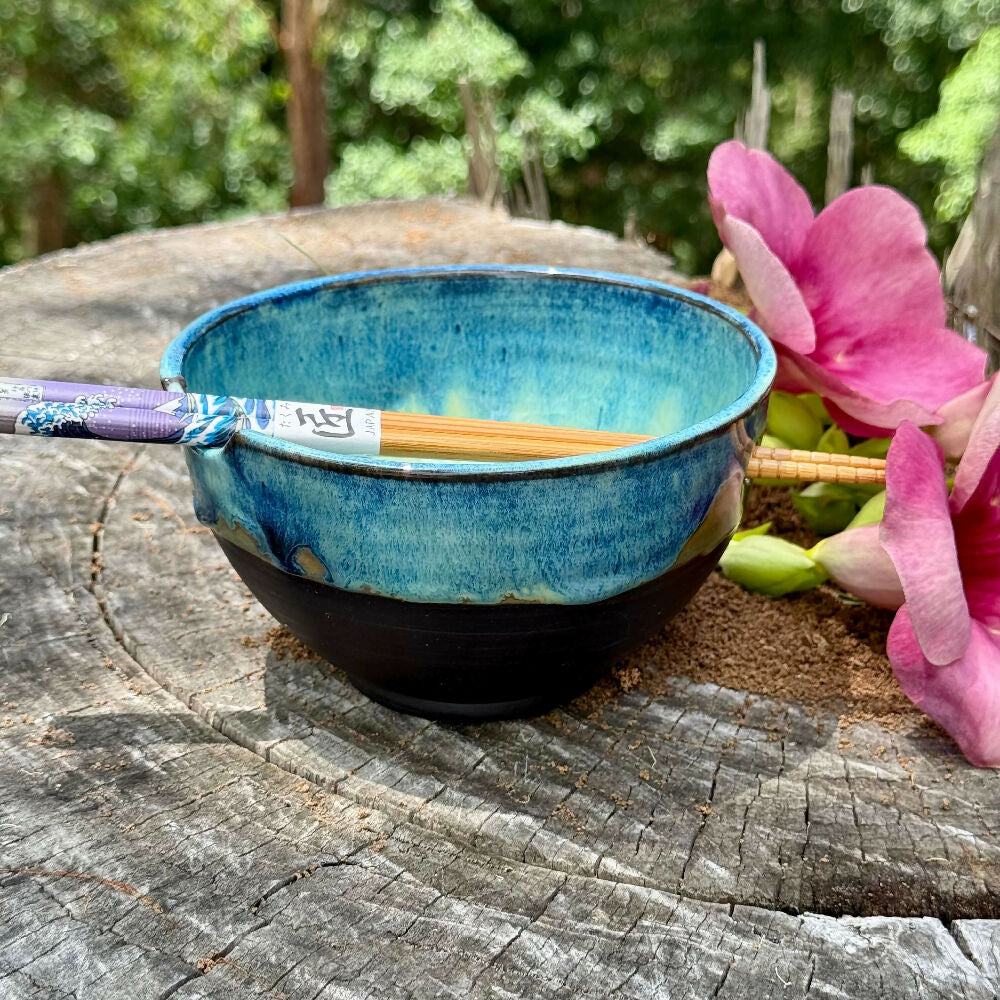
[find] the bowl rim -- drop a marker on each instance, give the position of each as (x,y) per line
(715,424)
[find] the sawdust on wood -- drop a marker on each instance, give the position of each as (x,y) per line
(286,646)
(815,648)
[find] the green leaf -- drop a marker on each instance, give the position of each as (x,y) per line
(955,137)
(793,421)
(871,513)
(419,69)
(816,407)
(761,529)
(833,441)
(378,169)
(769,565)
(872,447)
(826,507)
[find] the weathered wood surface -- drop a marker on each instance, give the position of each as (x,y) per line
(183,812)
(972,273)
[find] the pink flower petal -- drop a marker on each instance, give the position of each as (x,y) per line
(917,534)
(778,304)
(790,377)
(962,696)
(752,186)
(856,412)
(958,416)
(856,561)
(977,538)
(856,427)
(984,440)
(929,365)
(926,366)
(864,265)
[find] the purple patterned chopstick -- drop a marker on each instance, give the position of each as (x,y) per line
(119,413)
(43,390)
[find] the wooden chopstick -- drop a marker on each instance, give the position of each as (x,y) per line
(415,435)
(823,469)
(819,457)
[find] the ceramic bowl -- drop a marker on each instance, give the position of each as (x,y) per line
(465,589)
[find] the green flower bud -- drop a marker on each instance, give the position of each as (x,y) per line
(826,507)
(770,565)
(791,420)
(872,447)
(770,441)
(863,492)
(761,529)
(872,511)
(816,406)
(833,441)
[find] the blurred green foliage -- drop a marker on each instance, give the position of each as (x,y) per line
(138,113)
(957,134)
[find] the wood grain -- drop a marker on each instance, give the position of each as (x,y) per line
(185,814)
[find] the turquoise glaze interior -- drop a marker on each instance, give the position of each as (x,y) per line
(518,347)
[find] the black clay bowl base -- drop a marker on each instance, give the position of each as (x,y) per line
(468,661)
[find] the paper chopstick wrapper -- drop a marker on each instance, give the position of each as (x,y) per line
(81,410)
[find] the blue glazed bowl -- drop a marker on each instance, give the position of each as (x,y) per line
(469,589)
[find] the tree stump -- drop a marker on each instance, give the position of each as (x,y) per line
(194,806)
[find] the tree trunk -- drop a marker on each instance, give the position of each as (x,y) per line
(306,105)
(972,273)
(50,214)
(484,172)
(758,118)
(840,150)
(534,181)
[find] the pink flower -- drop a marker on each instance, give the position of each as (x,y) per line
(944,644)
(851,297)
(958,415)
(856,561)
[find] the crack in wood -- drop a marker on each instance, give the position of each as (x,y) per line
(302,873)
(205,965)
